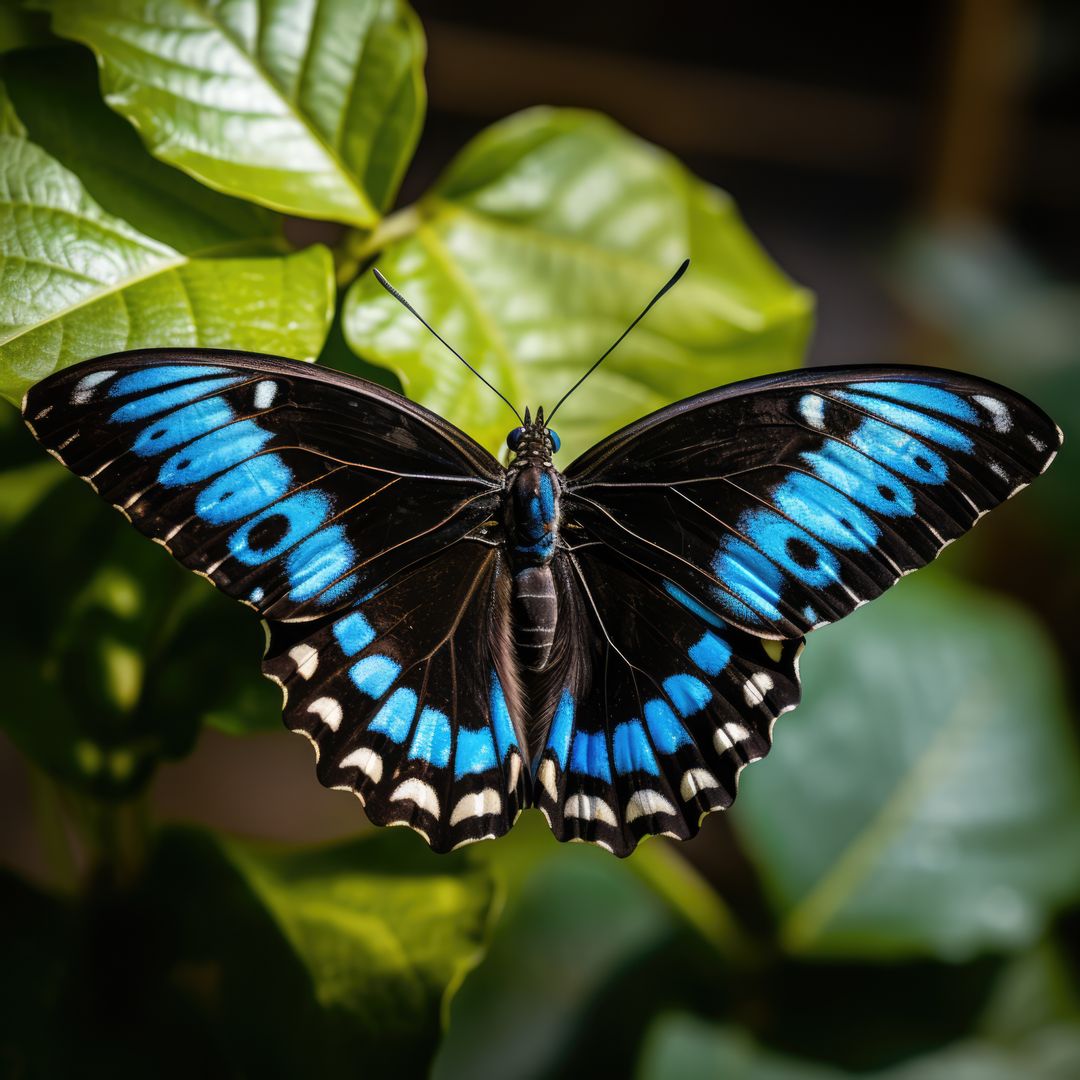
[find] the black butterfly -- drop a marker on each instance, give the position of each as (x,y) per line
(611,643)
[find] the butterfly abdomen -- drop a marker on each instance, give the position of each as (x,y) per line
(533,530)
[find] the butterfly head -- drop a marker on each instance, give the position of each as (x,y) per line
(533,442)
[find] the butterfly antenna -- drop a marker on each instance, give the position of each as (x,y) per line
(420,318)
(648,307)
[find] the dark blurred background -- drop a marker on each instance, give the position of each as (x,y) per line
(917,166)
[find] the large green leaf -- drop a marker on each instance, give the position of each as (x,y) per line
(546,236)
(925,798)
(55,93)
(312,108)
(225,959)
(77,282)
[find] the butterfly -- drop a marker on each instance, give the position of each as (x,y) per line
(610,643)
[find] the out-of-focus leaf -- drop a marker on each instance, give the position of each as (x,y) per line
(546,236)
(682,1047)
(19,27)
(1035,991)
(116,654)
(225,959)
(10,124)
(309,108)
(76,282)
(560,991)
(55,92)
(925,798)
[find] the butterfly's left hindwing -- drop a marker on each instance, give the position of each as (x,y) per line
(411,698)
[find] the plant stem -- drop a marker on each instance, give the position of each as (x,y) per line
(357,248)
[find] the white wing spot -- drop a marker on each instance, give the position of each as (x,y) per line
(416,791)
(366,760)
(306,659)
(647,803)
(515,772)
(546,779)
(84,388)
(727,735)
(476,804)
(697,780)
(997,410)
(328,710)
(589,808)
(265,392)
(997,470)
(812,410)
(756,687)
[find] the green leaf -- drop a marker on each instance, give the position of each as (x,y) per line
(680,1047)
(925,798)
(78,282)
(55,92)
(547,235)
(19,27)
(313,109)
(227,959)
(10,124)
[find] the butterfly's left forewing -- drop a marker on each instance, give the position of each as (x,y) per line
(292,488)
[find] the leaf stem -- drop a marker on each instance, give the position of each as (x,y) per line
(357,247)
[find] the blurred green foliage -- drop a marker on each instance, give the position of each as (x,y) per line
(891,896)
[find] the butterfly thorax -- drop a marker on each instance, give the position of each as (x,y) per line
(531,518)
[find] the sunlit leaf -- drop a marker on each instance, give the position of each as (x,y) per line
(76,282)
(925,798)
(55,92)
(309,108)
(547,235)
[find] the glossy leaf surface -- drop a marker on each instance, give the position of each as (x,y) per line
(77,282)
(309,108)
(546,236)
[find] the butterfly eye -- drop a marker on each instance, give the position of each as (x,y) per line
(556,442)
(513,440)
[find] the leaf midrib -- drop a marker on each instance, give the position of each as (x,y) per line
(809,917)
(792,299)
(291,108)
